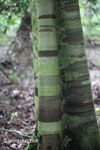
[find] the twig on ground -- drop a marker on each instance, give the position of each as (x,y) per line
(29,135)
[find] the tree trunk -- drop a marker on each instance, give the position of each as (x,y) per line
(78,107)
(79,119)
(49,90)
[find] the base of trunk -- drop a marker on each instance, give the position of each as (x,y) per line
(31,146)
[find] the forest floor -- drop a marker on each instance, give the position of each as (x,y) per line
(17,114)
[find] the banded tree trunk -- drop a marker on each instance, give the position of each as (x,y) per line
(78,106)
(49,90)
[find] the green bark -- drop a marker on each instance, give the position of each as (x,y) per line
(79,119)
(49,90)
(78,108)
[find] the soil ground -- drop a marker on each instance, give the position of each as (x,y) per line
(17,114)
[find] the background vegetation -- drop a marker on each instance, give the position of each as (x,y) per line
(13,12)
(90,11)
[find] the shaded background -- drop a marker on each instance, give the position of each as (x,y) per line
(17,115)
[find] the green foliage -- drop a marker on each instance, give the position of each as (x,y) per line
(9,27)
(11,13)
(16,6)
(90,12)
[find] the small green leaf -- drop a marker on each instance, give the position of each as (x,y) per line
(81,6)
(14,114)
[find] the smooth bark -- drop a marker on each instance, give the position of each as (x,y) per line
(49,90)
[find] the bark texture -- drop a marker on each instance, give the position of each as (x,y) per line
(78,108)
(78,122)
(49,90)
